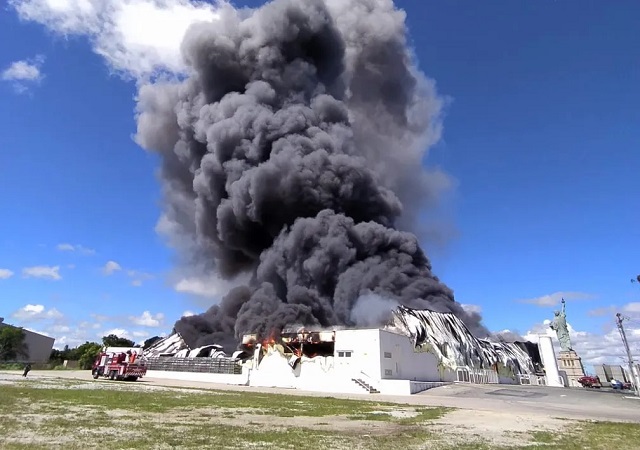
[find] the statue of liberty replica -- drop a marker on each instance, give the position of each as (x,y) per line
(568,360)
(559,325)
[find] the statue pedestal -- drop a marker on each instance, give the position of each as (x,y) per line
(571,364)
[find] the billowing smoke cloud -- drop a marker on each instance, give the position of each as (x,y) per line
(291,153)
(508,336)
(372,310)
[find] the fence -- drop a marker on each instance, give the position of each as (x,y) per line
(532,380)
(476,376)
(199,365)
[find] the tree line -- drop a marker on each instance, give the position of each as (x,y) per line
(13,347)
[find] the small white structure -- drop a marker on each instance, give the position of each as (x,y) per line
(548,355)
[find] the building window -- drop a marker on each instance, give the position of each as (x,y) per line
(387,355)
(344,354)
(388,372)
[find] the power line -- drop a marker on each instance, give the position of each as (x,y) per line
(632,372)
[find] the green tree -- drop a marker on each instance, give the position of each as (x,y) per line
(87,354)
(12,343)
(115,341)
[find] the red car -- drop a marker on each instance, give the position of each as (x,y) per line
(590,382)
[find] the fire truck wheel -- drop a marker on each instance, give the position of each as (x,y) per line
(131,379)
(95,375)
(112,375)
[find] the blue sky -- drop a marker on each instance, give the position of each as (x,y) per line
(540,134)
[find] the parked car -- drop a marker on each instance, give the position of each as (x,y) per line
(617,384)
(590,382)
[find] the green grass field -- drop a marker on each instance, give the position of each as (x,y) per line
(77,415)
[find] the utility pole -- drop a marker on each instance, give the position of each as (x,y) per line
(632,371)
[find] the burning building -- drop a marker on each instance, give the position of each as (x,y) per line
(418,349)
(292,161)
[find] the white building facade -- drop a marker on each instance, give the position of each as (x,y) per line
(422,349)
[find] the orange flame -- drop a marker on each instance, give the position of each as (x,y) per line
(270,341)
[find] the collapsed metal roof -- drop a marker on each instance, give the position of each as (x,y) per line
(452,342)
(170,345)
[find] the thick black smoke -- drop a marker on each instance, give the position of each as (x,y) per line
(293,152)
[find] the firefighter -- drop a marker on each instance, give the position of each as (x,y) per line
(27,368)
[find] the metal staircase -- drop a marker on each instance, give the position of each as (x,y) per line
(364,385)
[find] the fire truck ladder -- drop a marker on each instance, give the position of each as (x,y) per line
(364,385)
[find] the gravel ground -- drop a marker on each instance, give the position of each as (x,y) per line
(501,414)
(521,401)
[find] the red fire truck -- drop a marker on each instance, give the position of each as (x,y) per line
(119,364)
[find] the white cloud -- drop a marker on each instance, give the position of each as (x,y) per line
(32,313)
(65,247)
(72,341)
(208,287)
(471,308)
(21,71)
(33,330)
(633,308)
(60,329)
(24,74)
(111,267)
(138,277)
(74,333)
(48,272)
(554,299)
(5,273)
(140,334)
(595,348)
(120,332)
(147,319)
(138,37)
(99,317)
(188,313)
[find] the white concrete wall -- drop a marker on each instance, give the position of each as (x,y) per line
(400,361)
(274,371)
(364,346)
(549,361)
(394,387)
(241,379)
(318,374)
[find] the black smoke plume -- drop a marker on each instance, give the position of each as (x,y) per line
(293,152)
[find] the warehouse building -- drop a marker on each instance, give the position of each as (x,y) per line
(419,350)
(607,372)
(38,345)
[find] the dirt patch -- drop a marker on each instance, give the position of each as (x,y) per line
(497,428)
(399,413)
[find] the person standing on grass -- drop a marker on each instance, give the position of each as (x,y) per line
(27,368)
